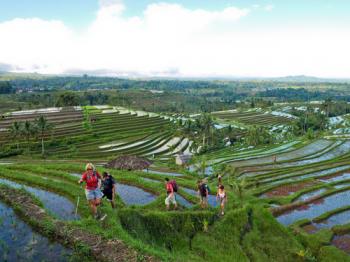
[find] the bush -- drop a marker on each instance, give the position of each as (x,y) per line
(171,230)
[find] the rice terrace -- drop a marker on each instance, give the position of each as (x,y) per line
(174,131)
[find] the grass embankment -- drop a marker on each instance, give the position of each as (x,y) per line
(248,233)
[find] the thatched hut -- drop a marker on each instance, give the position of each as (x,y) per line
(129,163)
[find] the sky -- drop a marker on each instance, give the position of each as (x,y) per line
(179,38)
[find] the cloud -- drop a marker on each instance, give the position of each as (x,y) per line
(171,40)
(269,7)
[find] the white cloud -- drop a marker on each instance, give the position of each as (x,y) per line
(269,7)
(169,39)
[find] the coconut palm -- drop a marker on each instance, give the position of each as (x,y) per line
(43,127)
(15,132)
(238,186)
(206,123)
(28,130)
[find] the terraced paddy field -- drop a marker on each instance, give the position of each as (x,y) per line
(94,133)
(254,117)
(307,187)
(139,227)
(294,199)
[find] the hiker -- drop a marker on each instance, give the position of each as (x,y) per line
(92,189)
(203,193)
(221,196)
(171,189)
(219,180)
(274,159)
(109,189)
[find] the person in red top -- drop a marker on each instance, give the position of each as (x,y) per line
(170,199)
(92,189)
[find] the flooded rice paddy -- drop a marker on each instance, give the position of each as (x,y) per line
(132,195)
(19,243)
(57,205)
(313,210)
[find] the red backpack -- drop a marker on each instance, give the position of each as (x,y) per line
(174,185)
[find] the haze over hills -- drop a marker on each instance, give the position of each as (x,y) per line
(297,78)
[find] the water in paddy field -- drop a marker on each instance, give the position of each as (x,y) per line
(211,198)
(337,219)
(309,195)
(59,206)
(341,177)
(342,242)
(162,173)
(208,170)
(151,180)
(182,201)
(311,211)
(132,195)
(19,243)
(76,175)
(330,171)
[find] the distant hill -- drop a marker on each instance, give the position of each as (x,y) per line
(296,79)
(304,78)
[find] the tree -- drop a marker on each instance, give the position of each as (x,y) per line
(43,127)
(206,125)
(28,130)
(6,88)
(67,99)
(327,106)
(16,131)
(238,186)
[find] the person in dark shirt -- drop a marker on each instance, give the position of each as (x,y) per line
(109,188)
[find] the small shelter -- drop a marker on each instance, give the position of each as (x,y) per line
(129,163)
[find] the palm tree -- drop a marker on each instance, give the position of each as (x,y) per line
(327,106)
(27,131)
(16,131)
(238,186)
(206,123)
(43,127)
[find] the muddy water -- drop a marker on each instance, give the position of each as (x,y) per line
(132,195)
(59,206)
(316,209)
(19,243)
(342,242)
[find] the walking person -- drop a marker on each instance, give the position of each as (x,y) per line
(222,197)
(219,180)
(171,189)
(92,189)
(203,193)
(109,188)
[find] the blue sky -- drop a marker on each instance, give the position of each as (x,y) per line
(177,38)
(79,13)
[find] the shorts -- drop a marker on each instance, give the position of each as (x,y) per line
(170,200)
(93,194)
(108,195)
(204,198)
